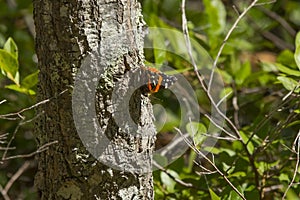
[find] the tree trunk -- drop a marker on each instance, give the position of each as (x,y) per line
(104,155)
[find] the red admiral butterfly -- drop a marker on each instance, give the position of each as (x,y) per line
(156,79)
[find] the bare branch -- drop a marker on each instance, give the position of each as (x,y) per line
(211,163)
(17,115)
(20,171)
(173,177)
(10,141)
(280,20)
(201,80)
(39,150)
(4,194)
(226,39)
(296,143)
(220,127)
(3,101)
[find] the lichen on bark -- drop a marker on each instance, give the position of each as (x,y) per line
(67,32)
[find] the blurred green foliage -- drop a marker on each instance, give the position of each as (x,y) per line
(18,79)
(259,66)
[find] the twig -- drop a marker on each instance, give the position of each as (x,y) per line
(3,101)
(207,171)
(219,138)
(3,137)
(280,20)
(20,171)
(5,196)
(15,132)
(297,141)
(223,99)
(10,141)
(39,150)
(212,164)
(280,43)
(18,114)
(226,39)
(220,127)
(201,80)
(266,3)
(190,185)
(174,145)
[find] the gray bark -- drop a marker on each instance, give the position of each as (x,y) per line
(106,36)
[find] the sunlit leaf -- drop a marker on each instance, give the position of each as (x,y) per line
(250,145)
(297,51)
(287,70)
(197,131)
(242,74)
(11,47)
(20,89)
(286,57)
(213,195)
(168,181)
(9,64)
(216,13)
(289,83)
(30,80)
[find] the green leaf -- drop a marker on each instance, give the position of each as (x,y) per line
(238,174)
(20,89)
(11,47)
(226,92)
(168,181)
(245,139)
(160,159)
(242,74)
(197,131)
(234,196)
(289,83)
(9,64)
(286,57)
(30,80)
(269,67)
(297,51)
(287,70)
(216,13)
(213,195)
(275,67)
(159,46)
(284,177)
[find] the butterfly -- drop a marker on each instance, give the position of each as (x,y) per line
(155,79)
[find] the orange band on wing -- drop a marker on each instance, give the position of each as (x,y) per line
(158,84)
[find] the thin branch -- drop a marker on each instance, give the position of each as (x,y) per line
(3,137)
(297,141)
(18,114)
(212,164)
(4,194)
(190,185)
(201,80)
(3,101)
(20,171)
(16,175)
(207,171)
(39,150)
(266,3)
(280,20)
(10,141)
(219,138)
(226,39)
(223,99)
(15,132)
(220,127)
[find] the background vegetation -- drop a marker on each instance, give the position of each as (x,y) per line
(260,66)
